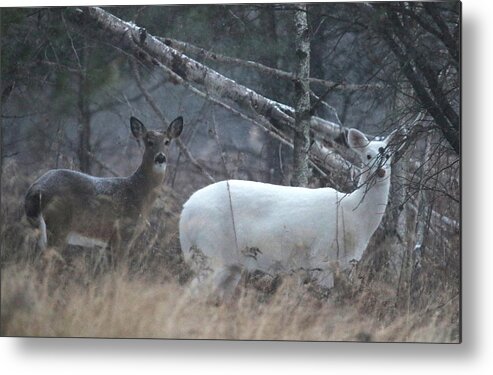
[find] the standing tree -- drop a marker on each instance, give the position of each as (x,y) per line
(301,141)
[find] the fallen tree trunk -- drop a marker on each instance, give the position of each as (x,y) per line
(151,50)
(191,49)
(135,41)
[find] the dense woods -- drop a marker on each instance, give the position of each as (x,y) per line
(267,93)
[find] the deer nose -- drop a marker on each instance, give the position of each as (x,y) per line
(160,158)
(381,172)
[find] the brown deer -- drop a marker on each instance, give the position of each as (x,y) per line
(72,207)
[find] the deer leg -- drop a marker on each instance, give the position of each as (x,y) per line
(225,282)
(115,246)
(52,239)
(50,258)
(218,286)
(134,234)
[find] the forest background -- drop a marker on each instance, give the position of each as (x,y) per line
(479,99)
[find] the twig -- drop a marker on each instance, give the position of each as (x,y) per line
(192,160)
(190,48)
(221,151)
(103,166)
(232,217)
(147,96)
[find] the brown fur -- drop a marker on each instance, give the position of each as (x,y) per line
(70,201)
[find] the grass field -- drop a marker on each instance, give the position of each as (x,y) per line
(148,296)
(119,305)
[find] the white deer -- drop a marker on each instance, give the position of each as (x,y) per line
(233,225)
(67,206)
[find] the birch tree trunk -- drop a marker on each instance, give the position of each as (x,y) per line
(152,51)
(301,140)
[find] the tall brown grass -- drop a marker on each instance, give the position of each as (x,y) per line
(147,295)
(119,305)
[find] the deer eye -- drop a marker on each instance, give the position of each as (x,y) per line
(368,157)
(150,143)
(166,142)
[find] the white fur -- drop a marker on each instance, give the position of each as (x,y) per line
(224,224)
(159,168)
(74,238)
(43,237)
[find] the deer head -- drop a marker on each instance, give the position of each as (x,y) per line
(374,154)
(155,142)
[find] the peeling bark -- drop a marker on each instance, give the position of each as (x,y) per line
(301,140)
(188,48)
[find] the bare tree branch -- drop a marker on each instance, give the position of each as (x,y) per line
(422,77)
(192,160)
(189,48)
(102,165)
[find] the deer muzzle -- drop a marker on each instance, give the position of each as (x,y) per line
(160,158)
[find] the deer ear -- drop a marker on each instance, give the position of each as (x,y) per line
(175,128)
(137,127)
(357,140)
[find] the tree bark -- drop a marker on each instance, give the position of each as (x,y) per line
(301,140)
(84,128)
(191,49)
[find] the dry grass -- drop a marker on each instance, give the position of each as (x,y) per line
(147,295)
(119,305)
